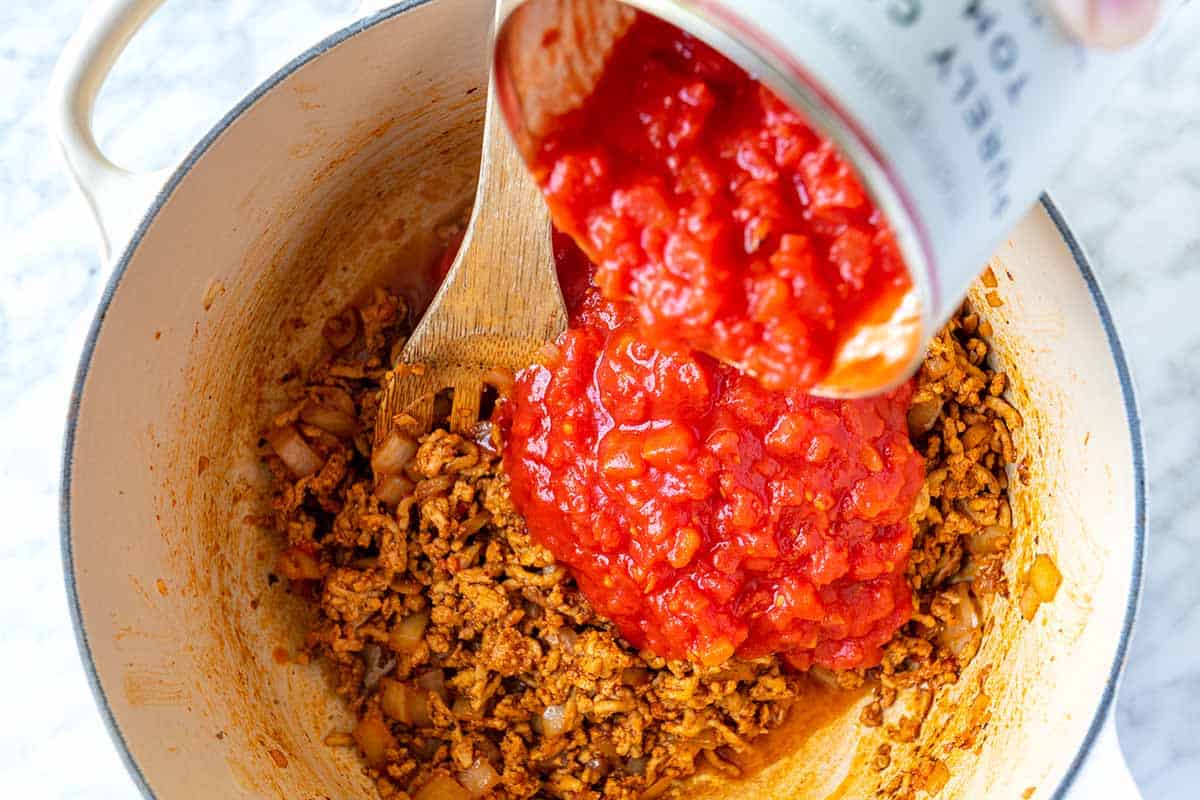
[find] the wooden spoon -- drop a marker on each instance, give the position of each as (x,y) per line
(499,304)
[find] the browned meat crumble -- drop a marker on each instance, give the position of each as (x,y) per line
(962,528)
(473,663)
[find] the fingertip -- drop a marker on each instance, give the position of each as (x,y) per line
(1108,24)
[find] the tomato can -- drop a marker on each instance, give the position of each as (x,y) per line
(954,112)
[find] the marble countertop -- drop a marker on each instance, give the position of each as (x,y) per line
(1131,190)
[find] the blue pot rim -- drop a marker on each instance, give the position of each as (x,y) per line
(1133,417)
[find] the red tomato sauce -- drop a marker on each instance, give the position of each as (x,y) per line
(730,224)
(665,449)
(703,513)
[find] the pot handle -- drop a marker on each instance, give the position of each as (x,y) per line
(116,196)
(1105,773)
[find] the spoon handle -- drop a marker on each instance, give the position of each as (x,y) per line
(499,304)
(502,289)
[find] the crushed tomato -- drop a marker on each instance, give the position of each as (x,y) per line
(665,449)
(731,225)
(704,514)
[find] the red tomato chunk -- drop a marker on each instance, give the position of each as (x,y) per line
(733,226)
(704,514)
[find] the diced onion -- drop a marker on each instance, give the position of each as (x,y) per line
(297,565)
(392,489)
(960,634)
(330,420)
(331,409)
(294,452)
(441,787)
(408,635)
(1045,578)
(404,703)
(376,665)
(432,487)
(968,572)
(373,738)
(434,681)
(606,748)
(334,397)
(393,698)
(479,778)
(989,540)
(564,638)
(390,457)
(464,709)
(554,720)
(922,416)
(1041,585)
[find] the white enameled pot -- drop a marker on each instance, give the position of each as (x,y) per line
(330,178)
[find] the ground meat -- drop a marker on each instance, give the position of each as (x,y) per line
(468,654)
(963,525)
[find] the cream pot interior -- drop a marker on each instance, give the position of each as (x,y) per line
(331,178)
